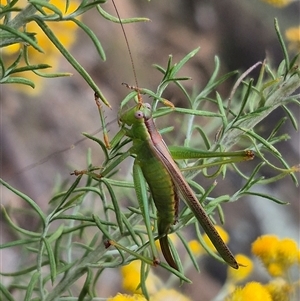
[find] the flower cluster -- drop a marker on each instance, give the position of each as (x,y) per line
(276,255)
(156,288)
(279,257)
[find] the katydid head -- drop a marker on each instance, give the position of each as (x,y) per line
(137,114)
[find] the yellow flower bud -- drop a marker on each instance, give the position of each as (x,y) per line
(250,292)
(196,247)
(235,276)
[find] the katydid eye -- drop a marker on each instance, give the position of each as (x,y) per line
(147,105)
(138,114)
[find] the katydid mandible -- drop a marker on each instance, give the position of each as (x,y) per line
(165,181)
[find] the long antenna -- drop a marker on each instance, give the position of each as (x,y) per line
(130,55)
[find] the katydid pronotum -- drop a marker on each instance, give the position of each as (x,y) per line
(154,162)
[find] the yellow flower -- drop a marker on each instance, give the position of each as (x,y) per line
(275,269)
(252,291)
(279,3)
(292,35)
(169,295)
(65,31)
(265,246)
(121,297)
(276,255)
(195,247)
(235,276)
(287,252)
(224,235)
(279,289)
(131,278)
(256,291)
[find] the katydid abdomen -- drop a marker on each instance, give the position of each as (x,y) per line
(164,194)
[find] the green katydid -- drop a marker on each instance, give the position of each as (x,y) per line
(166,183)
(154,162)
(165,180)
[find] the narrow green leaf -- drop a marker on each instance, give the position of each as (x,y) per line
(56,234)
(93,37)
(117,209)
(190,252)
(141,193)
(203,136)
(29,68)
(131,230)
(52,261)
(109,17)
(18,243)
(101,227)
(17,228)
(210,87)
(263,141)
(18,80)
(175,272)
(15,63)
(86,286)
(276,128)
(69,57)
(283,47)
(266,196)
(251,180)
(291,117)
(27,199)
(23,36)
(31,286)
(67,194)
(221,110)
(244,101)
(144,271)
(183,61)
(5,293)
(41,4)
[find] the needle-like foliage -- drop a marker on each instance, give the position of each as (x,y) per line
(88,228)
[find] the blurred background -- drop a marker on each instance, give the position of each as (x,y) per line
(38,130)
